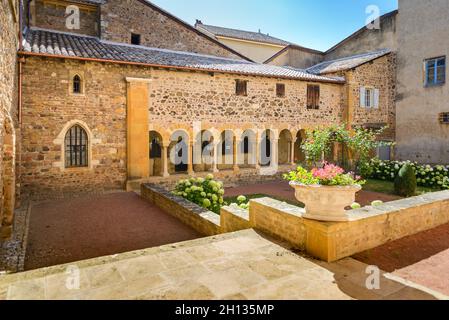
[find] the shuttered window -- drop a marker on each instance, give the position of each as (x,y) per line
(76,147)
(313,97)
(241,87)
(280,90)
(369,98)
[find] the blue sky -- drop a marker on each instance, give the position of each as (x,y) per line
(317,24)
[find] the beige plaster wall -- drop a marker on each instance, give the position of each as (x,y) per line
(422,34)
(258,52)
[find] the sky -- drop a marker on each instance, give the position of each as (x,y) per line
(316,24)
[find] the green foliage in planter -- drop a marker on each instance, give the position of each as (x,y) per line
(207,193)
(426,175)
(405,182)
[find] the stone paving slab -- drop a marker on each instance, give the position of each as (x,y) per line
(241,265)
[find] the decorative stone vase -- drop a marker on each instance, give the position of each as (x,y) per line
(325,203)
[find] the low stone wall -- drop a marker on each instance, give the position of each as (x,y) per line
(368,227)
(279,220)
(205,222)
(234,219)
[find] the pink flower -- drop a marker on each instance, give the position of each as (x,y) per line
(328,172)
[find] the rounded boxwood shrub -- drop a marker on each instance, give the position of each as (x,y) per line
(405,182)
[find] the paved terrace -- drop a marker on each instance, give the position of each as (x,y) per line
(242,265)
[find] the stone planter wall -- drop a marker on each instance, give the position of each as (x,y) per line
(368,227)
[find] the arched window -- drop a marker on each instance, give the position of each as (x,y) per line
(246,145)
(76,147)
(76,84)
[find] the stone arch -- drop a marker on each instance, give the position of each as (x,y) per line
(8,181)
(226,150)
(156,149)
(300,156)
(203,151)
(285,147)
(60,140)
(248,149)
(178,151)
(268,144)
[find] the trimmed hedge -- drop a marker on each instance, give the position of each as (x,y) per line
(405,182)
(426,175)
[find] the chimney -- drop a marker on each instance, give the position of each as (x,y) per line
(198,22)
(260,31)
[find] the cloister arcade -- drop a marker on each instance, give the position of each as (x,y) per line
(187,151)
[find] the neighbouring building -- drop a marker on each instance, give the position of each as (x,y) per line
(105,105)
(257,46)
(422,91)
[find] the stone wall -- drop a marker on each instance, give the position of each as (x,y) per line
(368,40)
(379,74)
(205,222)
(8,111)
(177,99)
(120,18)
(51,14)
(422,34)
(366,229)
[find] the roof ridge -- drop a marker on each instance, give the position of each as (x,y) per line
(359,55)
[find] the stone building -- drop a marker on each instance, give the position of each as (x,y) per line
(422,93)
(9,17)
(110,102)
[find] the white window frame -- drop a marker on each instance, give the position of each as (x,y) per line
(369,97)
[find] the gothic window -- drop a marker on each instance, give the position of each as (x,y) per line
(77,88)
(76,147)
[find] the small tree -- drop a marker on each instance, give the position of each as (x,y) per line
(316,144)
(360,143)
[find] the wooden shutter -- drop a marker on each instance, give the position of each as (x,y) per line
(362,97)
(317,97)
(376,98)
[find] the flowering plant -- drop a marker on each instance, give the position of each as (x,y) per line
(207,193)
(329,175)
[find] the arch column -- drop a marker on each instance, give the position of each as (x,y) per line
(236,167)
(216,155)
(258,141)
(165,146)
(190,151)
(275,152)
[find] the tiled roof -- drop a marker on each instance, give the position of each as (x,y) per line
(346,63)
(44,42)
(241,34)
(90,1)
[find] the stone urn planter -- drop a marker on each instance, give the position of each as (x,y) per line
(325,203)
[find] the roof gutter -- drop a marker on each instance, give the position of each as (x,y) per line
(43,55)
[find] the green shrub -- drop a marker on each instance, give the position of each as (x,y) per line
(426,175)
(405,182)
(206,193)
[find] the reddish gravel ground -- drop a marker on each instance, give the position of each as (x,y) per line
(282,190)
(422,258)
(72,230)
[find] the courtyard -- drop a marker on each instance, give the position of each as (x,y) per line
(242,265)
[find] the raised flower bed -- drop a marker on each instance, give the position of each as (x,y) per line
(326,192)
